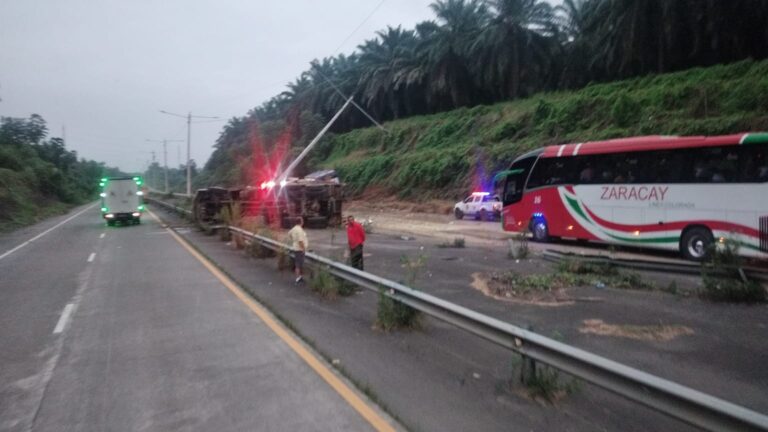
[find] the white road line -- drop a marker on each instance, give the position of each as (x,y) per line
(91,256)
(102,235)
(64,318)
(46,231)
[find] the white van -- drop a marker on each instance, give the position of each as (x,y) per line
(121,199)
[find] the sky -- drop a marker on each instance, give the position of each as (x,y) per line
(99,72)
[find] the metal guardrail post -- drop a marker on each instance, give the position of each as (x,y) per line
(688,405)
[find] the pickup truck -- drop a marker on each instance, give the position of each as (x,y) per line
(480,205)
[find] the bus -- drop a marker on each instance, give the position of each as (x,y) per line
(666,192)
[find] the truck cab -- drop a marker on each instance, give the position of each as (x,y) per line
(122,200)
(480,205)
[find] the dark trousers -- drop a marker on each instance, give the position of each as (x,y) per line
(356,257)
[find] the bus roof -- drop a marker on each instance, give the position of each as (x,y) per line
(653,142)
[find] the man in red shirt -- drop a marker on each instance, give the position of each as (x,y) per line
(356,238)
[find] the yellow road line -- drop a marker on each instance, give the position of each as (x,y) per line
(316,364)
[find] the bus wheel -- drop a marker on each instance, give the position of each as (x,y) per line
(539,230)
(696,243)
(458,213)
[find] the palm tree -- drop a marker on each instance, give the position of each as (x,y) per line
(515,48)
(445,45)
(382,61)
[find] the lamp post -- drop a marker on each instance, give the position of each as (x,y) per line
(189,118)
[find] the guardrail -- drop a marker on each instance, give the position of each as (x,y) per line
(648,265)
(675,400)
(181,211)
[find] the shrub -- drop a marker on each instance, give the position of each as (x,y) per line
(723,279)
(518,247)
(392,314)
(324,283)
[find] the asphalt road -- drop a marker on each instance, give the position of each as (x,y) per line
(122,328)
(439,378)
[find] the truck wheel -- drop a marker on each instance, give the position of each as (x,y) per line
(483,215)
(539,230)
(696,243)
(458,213)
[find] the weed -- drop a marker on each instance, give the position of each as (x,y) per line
(545,383)
(393,314)
(518,247)
(458,243)
(257,250)
(324,283)
(723,279)
(284,260)
(672,288)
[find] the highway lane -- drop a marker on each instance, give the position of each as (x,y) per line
(123,329)
(37,280)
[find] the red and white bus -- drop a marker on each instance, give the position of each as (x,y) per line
(665,192)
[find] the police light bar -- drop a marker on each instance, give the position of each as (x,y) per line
(480,193)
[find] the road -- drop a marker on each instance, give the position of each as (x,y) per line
(123,328)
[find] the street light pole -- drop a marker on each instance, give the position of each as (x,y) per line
(189,118)
(189,155)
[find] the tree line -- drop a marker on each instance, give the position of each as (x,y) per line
(35,167)
(486,51)
(478,52)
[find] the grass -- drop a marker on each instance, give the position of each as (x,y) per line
(444,154)
(392,314)
(22,204)
(327,285)
(723,280)
(570,273)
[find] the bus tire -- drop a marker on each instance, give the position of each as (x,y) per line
(696,243)
(458,214)
(539,230)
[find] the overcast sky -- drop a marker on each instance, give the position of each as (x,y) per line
(104,68)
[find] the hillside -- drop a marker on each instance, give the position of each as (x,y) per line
(443,155)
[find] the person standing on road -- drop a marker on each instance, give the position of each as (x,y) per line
(299,244)
(356,238)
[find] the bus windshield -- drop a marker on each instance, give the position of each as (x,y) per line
(515,179)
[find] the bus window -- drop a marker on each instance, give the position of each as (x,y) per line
(513,190)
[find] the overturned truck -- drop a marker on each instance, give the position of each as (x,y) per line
(317,197)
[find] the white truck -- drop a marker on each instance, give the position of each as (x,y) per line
(122,200)
(480,205)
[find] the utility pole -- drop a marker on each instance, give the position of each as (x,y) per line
(189,154)
(189,118)
(165,157)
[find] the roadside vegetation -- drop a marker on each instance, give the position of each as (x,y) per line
(724,280)
(444,154)
(39,177)
(485,80)
(568,274)
(394,315)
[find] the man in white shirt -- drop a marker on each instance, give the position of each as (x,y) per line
(298,238)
